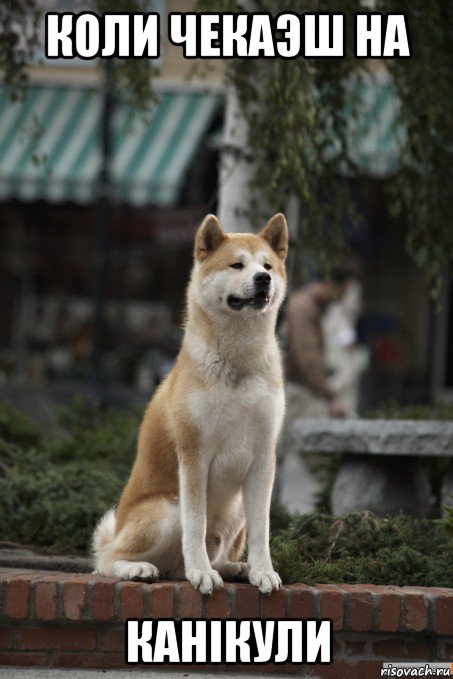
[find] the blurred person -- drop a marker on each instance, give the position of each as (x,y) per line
(310,393)
(346,359)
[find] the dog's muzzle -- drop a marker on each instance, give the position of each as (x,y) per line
(260,298)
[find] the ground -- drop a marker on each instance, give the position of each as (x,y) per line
(33,673)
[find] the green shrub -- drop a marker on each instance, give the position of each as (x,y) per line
(54,506)
(361,547)
(53,490)
(90,432)
(392,410)
(16,427)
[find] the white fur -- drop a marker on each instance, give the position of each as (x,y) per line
(103,537)
(135,570)
(166,553)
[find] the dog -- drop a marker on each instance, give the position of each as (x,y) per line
(205,461)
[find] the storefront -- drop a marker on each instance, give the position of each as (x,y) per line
(163,178)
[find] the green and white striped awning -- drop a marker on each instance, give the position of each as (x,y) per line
(375,136)
(50,145)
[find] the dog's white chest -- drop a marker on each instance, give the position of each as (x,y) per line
(235,424)
(224,413)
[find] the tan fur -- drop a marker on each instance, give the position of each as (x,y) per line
(238,546)
(206,448)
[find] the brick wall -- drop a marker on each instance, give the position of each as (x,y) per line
(51,619)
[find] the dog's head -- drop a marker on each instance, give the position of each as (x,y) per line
(240,273)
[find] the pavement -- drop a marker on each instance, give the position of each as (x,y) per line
(44,673)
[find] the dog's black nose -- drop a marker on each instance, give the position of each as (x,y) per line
(262,279)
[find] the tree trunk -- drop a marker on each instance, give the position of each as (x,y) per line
(236,168)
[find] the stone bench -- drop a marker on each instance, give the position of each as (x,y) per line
(380,469)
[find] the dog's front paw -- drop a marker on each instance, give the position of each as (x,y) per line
(135,570)
(234,570)
(204,580)
(266,580)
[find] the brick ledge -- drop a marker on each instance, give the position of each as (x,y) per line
(56,619)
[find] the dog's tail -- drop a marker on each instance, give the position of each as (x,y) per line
(102,542)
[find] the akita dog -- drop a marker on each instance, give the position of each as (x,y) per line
(205,462)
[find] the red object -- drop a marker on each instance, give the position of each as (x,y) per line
(388,352)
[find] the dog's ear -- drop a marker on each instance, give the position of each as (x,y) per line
(276,234)
(209,236)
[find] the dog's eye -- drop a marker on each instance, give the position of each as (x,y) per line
(237,265)
(268,267)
